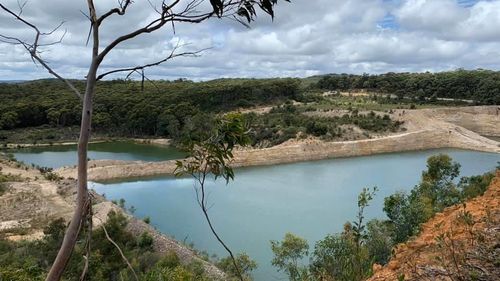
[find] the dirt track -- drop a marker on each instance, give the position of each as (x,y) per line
(426,129)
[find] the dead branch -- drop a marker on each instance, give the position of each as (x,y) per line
(32,48)
(120,11)
(144,77)
(202,201)
(142,67)
(120,251)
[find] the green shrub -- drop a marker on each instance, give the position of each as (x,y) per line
(145,241)
(287,255)
(3,188)
(378,241)
(245,265)
(471,187)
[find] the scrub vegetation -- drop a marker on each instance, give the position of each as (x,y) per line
(30,261)
(180,110)
(4,179)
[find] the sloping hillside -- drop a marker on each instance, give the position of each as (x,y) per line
(461,243)
(30,202)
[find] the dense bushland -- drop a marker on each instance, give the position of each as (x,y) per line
(181,110)
(481,86)
(122,107)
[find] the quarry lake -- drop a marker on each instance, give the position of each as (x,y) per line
(57,156)
(310,199)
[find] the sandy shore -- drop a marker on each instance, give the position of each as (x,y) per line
(160,142)
(26,145)
(426,129)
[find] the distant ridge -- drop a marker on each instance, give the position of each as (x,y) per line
(12,81)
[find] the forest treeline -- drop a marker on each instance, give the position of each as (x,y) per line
(481,86)
(122,106)
(183,110)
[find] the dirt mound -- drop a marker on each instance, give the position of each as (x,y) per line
(461,243)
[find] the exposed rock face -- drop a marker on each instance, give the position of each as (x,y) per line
(448,248)
(427,129)
(484,120)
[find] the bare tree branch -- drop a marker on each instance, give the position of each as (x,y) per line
(33,47)
(21,6)
(120,251)
(144,77)
(120,11)
(165,14)
(142,67)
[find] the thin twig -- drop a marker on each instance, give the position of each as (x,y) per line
(33,47)
(172,55)
(119,250)
(203,204)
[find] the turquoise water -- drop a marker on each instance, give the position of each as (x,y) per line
(65,155)
(310,199)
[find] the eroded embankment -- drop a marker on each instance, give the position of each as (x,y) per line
(461,243)
(484,120)
(424,132)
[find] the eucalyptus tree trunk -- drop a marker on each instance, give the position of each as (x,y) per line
(82,197)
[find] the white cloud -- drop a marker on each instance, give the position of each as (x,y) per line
(306,38)
(483,24)
(431,15)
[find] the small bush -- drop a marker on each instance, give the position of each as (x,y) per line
(3,188)
(145,241)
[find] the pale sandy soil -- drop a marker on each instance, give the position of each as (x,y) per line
(162,142)
(31,204)
(25,145)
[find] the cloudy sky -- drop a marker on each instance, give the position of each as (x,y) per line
(307,37)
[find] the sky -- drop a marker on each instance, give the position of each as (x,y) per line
(306,37)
